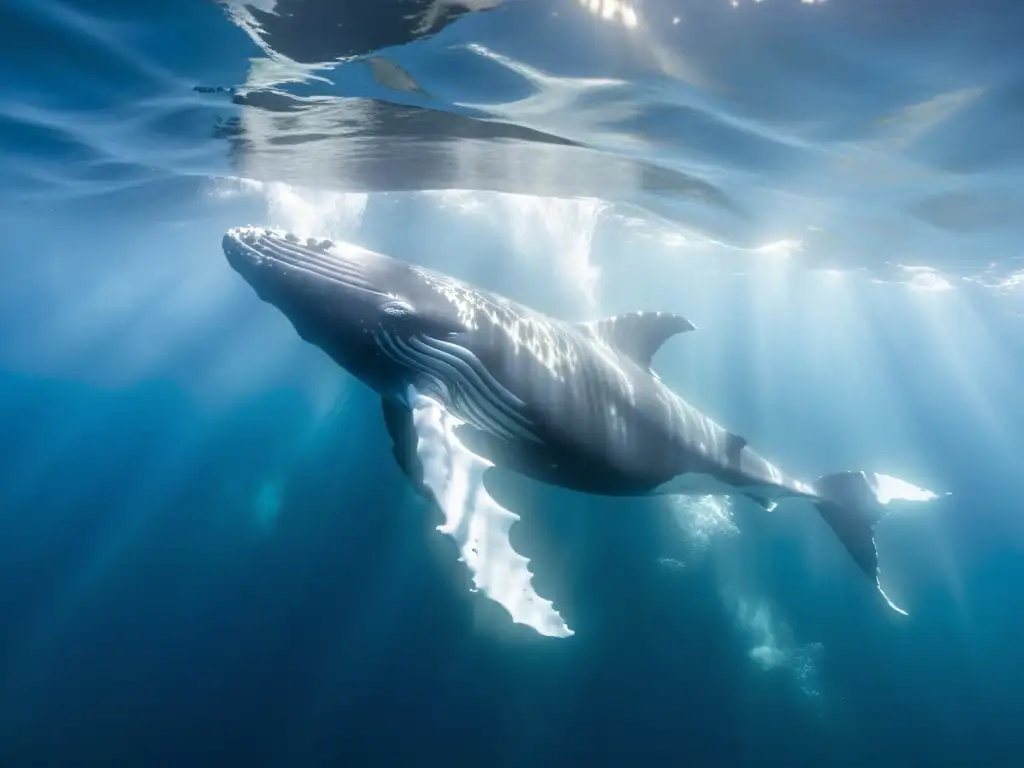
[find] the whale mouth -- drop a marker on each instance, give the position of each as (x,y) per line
(252,250)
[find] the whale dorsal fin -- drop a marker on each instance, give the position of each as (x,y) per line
(638,335)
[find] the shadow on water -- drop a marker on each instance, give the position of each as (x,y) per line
(746,123)
(363,145)
(315,31)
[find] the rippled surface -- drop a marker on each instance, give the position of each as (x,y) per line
(854,134)
(206,554)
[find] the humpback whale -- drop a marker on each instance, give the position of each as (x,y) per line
(472,383)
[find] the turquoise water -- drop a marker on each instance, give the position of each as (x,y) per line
(207,555)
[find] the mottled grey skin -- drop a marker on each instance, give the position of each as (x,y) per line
(573,405)
(604,423)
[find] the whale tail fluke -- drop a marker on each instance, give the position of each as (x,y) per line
(852,503)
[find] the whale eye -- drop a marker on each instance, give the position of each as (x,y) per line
(397,308)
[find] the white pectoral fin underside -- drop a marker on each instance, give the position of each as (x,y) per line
(479,525)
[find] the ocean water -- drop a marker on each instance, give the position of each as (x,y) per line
(207,553)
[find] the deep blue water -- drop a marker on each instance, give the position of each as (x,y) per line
(207,553)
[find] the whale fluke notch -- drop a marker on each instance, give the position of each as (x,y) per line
(852,503)
(638,335)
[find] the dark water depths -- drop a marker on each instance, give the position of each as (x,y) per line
(207,555)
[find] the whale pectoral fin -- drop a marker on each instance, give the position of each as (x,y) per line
(453,477)
(398,419)
(768,505)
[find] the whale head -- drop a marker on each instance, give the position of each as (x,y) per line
(366,310)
